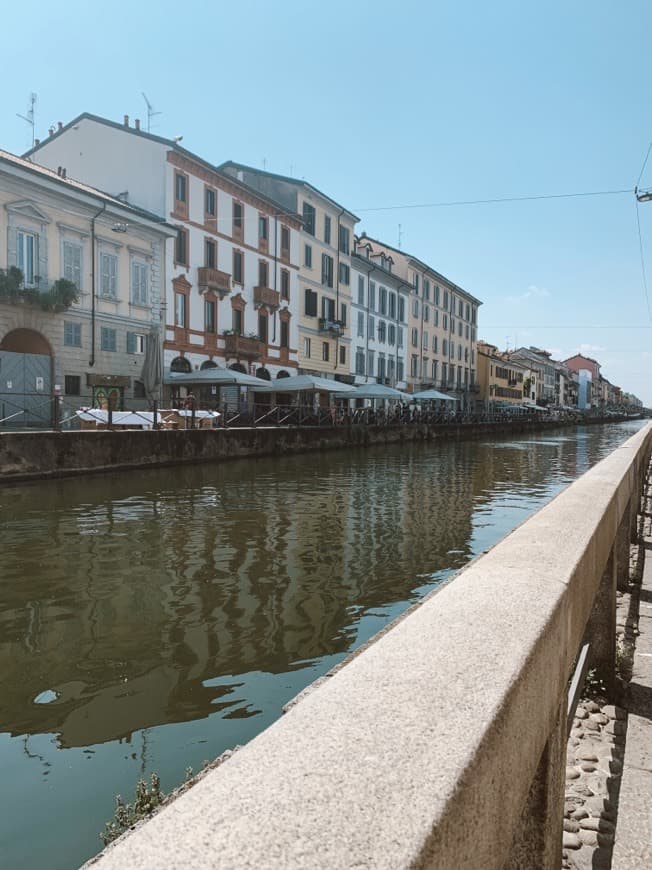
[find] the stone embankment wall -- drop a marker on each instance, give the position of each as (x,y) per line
(39,455)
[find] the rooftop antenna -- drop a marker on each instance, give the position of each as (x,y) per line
(264,163)
(150,111)
(400,236)
(30,117)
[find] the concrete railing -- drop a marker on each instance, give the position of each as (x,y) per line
(442,743)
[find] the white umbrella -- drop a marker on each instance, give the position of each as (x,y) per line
(305,383)
(426,395)
(152,373)
(374,391)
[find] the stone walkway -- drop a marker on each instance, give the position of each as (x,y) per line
(608,809)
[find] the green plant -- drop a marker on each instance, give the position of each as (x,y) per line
(62,294)
(125,816)
(11,282)
(593,685)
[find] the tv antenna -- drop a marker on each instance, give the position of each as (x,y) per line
(150,111)
(30,117)
(400,236)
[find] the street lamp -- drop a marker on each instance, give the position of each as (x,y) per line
(643,195)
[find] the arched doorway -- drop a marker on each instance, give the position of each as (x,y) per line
(283,374)
(208,364)
(26,363)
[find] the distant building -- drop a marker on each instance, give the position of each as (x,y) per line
(542,368)
(113,256)
(501,379)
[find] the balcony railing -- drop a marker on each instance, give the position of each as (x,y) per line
(266,296)
(213,280)
(335,327)
(243,346)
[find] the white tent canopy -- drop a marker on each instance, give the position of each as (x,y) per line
(304,383)
(374,391)
(220,377)
(428,395)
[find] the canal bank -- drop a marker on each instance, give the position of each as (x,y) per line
(26,456)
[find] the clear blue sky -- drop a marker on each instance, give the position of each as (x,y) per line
(388,104)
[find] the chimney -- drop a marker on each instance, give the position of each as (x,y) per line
(126,120)
(37,142)
(51,131)
(63,171)
(58,170)
(59,125)
(137,123)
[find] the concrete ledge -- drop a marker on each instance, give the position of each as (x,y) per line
(422,750)
(41,455)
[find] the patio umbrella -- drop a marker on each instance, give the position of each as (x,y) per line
(374,391)
(152,373)
(432,394)
(305,384)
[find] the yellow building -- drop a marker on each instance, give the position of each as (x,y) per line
(501,380)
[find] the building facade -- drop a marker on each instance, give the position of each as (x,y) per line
(325,248)
(379,308)
(232,288)
(501,380)
(87,296)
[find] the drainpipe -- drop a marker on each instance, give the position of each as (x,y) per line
(398,296)
(275,267)
(337,289)
(91,361)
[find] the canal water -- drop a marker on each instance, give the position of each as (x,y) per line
(150,620)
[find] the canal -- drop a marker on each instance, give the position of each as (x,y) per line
(151,620)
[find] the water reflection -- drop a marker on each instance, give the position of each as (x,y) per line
(165,597)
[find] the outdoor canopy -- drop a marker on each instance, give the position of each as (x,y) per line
(221,377)
(373,391)
(303,383)
(432,394)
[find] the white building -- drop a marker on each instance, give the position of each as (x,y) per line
(232,288)
(379,308)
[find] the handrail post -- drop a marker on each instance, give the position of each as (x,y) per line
(601,628)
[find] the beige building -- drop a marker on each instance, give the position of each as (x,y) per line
(325,249)
(501,380)
(442,327)
(81,283)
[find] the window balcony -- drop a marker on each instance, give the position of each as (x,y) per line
(213,280)
(333,327)
(474,388)
(265,296)
(243,347)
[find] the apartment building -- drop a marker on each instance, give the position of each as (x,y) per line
(542,373)
(325,248)
(501,380)
(442,327)
(379,307)
(82,278)
(232,289)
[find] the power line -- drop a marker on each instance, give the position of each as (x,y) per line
(567,326)
(640,247)
(644,164)
(497,200)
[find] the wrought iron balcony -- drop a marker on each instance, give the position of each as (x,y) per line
(246,347)
(334,327)
(266,296)
(213,280)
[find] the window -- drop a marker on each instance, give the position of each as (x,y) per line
(360,324)
(27,256)
(72,263)
(459,353)
(209,316)
(445,300)
(436,294)
(209,202)
(71,334)
(426,290)
(180,184)
(399,370)
(360,290)
(285,333)
(345,243)
(382,300)
(399,337)
(343,313)
(466,332)
(372,296)
(109,275)
(371,327)
(401,309)
(426,313)
(309,218)
(444,370)
(381,366)
(181,248)
(328,308)
(370,361)
(382,331)
(307,256)
(391,334)
(327,270)
(434,344)
(306,348)
(263,273)
(460,308)
(139,390)
(285,284)
(108,339)
(392,305)
(210,253)
(451,348)
(325,350)
(139,282)
(263,228)
(135,342)
(460,326)
(310,304)
(414,365)
(345,274)
(415,307)
(72,385)
(359,361)
(415,337)
(435,364)
(444,347)
(435,317)
(238,271)
(180,309)
(452,325)
(342,355)
(425,343)
(467,315)
(236,321)
(262,328)
(285,242)
(237,217)
(445,322)
(416,283)
(327,229)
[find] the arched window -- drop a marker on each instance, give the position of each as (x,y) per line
(209,364)
(179,364)
(238,367)
(264,374)
(283,374)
